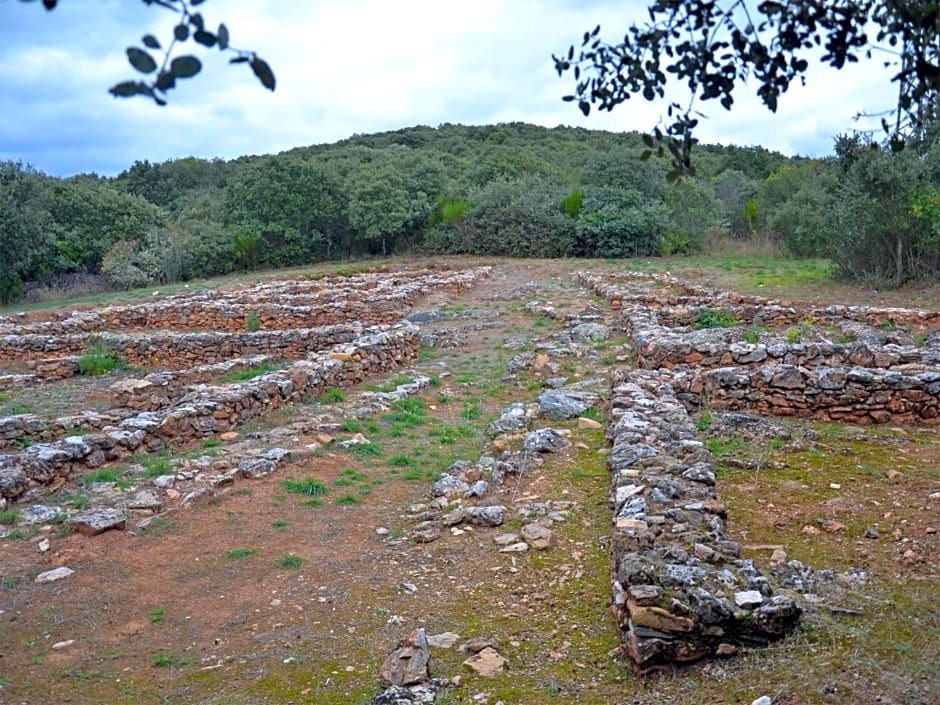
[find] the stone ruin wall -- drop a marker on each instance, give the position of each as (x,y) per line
(680,589)
(211,410)
(861,382)
(52,357)
(277,305)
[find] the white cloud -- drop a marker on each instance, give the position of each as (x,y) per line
(344,68)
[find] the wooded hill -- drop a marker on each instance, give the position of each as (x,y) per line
(511,189)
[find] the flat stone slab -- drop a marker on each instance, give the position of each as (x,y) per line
(50,576)
(96,521)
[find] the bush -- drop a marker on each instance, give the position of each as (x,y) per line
(716,318)
(100,360)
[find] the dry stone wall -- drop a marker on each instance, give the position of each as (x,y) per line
(681,590)
(166,349)
(211,410)
(872,380)
(369,297)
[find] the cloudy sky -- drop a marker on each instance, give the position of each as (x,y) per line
(343,68)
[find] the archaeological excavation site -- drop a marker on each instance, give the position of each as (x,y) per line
(468,481)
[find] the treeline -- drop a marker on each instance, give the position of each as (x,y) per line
(514,189)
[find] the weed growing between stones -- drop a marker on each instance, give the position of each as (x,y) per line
(99,360)
(245,375)
(333,395)
(252,322)
(716,318)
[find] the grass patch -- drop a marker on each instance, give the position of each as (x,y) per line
(333,395)
(721,447)
(352,426)
(471,412)
(245,375)
(8,518)
(280,524)
(290,560)
(752,334)
(402,461)
(157,616)
(310,487)
(348,500)
(365,450)
(101,476)
(238,554)
(252,322)
(349,477)
(158,467)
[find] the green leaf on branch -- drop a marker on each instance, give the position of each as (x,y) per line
(165,81)
(150,41)
(222,36)
(141,60)
(126,89)
(181,32)
(185,66)
(207,39)
(263,72)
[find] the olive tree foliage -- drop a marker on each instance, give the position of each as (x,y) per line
(27,244)
(887,234)
(714,46)
(91,215)
(284,212)
(163,67)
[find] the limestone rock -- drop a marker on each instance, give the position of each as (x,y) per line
(51,576)
(408,664)
(488,662)
(545,440)
(556,405)
(537,536)
(95,521)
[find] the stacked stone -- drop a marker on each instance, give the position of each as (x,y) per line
(171,350)
(680,589)
(656,347)
(28,429)
(686,310)
(211,410)
(850,395)
(18,381)
(372,298)
(159,390)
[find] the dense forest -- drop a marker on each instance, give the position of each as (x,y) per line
(512,189)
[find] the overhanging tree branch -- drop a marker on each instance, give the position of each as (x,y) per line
(713,46)
(163,76)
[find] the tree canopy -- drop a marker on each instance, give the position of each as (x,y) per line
(714,46)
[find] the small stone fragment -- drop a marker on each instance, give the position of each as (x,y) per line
(487,662)
(748,599)
(444,640)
